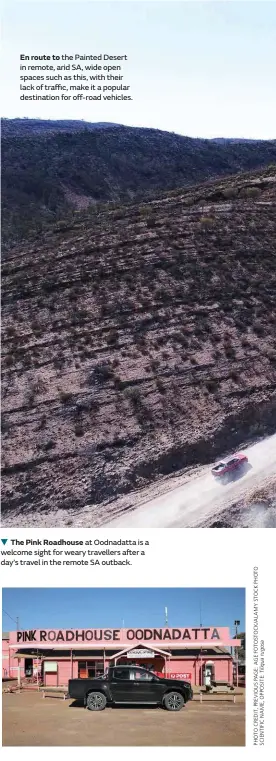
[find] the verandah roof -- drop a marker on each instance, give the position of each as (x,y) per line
(223,647)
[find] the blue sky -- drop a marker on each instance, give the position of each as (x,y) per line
(95,608)
(196,68)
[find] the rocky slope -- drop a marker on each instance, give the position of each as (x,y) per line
(48,172)
(137,340)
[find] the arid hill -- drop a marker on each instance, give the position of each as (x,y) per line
(25,127)
(137,341)
(47,172)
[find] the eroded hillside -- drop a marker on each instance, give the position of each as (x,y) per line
(137,341)
(60,171)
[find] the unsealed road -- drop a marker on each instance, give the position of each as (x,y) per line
(28,720)
(202,496)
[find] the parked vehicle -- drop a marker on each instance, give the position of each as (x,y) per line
(228,465)
(130,684)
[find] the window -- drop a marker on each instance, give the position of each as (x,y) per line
(90,669)
(141,676)
(82,670)
(99,669)
(121,675)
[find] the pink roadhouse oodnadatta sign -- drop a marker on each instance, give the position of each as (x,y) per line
(217,636)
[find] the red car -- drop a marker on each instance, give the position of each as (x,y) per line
(229,464)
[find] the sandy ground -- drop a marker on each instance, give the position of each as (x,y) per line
(202,496)
(30,720)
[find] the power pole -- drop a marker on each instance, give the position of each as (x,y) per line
(236,624)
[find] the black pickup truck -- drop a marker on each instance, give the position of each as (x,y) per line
(130,684)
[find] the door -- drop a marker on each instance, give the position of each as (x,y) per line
(146,686)
(208,675)
(28,667)
(135,685)
(233,464)
(120,685)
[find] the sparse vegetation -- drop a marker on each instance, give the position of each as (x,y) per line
(160,386)
(229,193)
(145,337)
(79,429)
(207,221)
(42,422)
(65,396)
(49,444)
(154,162)
(134,395)
(251,192)
(102,372)
(258,328)
(212,385)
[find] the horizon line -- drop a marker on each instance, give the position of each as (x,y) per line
(133,126)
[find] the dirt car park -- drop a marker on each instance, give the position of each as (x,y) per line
(30,720)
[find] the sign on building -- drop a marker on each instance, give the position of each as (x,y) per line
(50,667)
(139,652)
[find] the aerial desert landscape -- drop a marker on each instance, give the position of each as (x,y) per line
(139,340)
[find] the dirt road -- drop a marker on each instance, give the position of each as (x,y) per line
(28,720)
(202,496)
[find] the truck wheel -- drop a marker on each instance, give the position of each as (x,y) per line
(173,701)
(96,701)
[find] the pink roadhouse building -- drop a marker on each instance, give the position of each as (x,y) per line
(53,656)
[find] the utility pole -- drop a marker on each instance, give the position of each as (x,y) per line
(15,620)
(166,616)
(236,624)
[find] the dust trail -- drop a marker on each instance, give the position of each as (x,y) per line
(258,515)
(202,496)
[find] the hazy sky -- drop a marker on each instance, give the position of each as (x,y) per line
(196,68)
(89,608)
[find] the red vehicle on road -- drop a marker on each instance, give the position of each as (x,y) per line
(229,464)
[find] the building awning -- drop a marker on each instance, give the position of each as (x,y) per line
(183,646)
(27,656)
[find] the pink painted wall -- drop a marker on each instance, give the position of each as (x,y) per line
(10,663)
(223,669)
(5,659)
(63,674)
(64,671)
